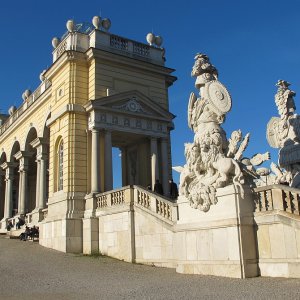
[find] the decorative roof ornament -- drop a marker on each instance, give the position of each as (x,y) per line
(150,37)
(106,23)
(154,40)
(96,22)
(42,76)
(70,25)
(26,94)
(55,42)
(158,40)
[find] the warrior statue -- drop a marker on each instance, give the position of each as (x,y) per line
(212,161)
(284,133)
(208,167)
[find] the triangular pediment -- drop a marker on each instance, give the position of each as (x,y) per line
(130,102)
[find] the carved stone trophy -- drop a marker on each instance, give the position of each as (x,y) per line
(284,133)
(212,161)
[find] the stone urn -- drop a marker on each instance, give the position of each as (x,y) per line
(70,25)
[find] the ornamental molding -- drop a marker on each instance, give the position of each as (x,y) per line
(132,105)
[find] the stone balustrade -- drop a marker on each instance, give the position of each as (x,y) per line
(140,197)
(44,213)
(98,39)
(31,99)
(277,197)
(113,198)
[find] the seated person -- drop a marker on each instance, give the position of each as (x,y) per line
(9,226)
(34,232)
(25,234)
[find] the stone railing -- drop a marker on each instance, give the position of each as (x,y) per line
(44,214)
(277,197)
(28,218)
(118,43)
(31,99)
(113,198)
(124,46)
(155,203)
(140,197)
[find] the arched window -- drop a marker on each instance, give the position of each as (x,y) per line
(60,173)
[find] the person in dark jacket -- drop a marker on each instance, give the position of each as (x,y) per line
(158,187)
(173,189)
(20,223)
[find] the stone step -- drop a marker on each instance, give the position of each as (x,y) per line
(14,233)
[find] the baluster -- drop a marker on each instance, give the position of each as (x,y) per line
(288,201)
(296,204)
(263,201)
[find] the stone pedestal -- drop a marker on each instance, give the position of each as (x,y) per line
(3,223)
(62,229)
(90,235)
(219,242)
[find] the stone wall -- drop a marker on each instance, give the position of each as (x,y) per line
(278,231)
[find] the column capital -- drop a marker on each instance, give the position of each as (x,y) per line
(8,165)
(94,130)
(23,154)
(39,142)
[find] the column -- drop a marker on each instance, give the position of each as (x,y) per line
(124,166)
(108,179)
(165,165)
(37,189)
(95,162)
(9,176)
(42,179)
(154,161)
(2,193)
(41,146)
(23,170)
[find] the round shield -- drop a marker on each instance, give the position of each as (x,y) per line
(218,96)
(272,135)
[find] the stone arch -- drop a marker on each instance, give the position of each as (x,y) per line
(31,157)
(2,158)
(31,136)
(58,164)
(15,149)
(46,130)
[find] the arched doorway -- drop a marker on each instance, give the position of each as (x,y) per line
(30,156)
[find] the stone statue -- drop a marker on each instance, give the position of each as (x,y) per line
(284,133)
(210,162)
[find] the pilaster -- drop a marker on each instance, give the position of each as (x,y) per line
(154,160)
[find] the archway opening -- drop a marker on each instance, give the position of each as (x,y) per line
(31,185)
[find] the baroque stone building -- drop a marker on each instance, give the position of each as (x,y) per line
(101,91)
(104,91)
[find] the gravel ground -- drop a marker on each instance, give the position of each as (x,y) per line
(29,271)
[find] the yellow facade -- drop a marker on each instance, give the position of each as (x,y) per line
(49,138)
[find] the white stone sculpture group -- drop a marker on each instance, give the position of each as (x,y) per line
(212,161)
(284,133)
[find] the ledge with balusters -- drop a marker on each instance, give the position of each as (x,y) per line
(278,197)
(137,196)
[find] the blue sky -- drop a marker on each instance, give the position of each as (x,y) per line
(252,43)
